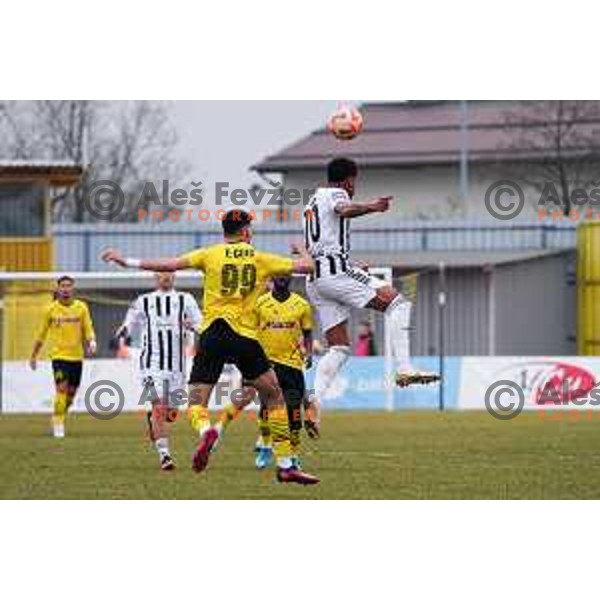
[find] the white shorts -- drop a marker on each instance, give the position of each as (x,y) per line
(164,382)
(334,296)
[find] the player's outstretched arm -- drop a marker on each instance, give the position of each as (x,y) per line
(147,264)
(351,210)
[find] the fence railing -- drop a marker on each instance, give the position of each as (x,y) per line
(77,246)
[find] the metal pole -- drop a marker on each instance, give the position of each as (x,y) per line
(464,150)
(389,389)
(441,331)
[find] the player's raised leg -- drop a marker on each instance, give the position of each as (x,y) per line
(334,321)
(397,310)
(200,420)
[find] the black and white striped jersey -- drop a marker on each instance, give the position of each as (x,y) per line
(325,232)
(163,321)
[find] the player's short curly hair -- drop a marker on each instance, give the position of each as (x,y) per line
(340,169)
(235,220)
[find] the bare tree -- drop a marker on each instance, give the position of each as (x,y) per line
(129,143)
(554,147)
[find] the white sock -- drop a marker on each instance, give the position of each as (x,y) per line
(329,366)
(162,446)
(397,317)
(284,463)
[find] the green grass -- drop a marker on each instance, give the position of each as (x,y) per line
(361,455)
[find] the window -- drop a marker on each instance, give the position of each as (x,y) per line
(21,210)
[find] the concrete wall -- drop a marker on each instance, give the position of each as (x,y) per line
(466,315)
(426,192)
(535,307)
(526,308)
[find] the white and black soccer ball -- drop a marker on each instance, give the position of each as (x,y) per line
(345,123)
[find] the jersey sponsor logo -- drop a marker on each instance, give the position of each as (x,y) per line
(65,320)
(280,324)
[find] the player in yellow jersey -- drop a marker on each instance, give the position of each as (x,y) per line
(235,274)
(67,326)
(285,326)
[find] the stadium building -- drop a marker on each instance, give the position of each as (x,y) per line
(438,159)
(510,284)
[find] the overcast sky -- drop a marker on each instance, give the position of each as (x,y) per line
(221,140)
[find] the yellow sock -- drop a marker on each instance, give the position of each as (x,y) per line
(230,412)
(59,407)
(295,441)
(199,418)
(280,432)
(264,428)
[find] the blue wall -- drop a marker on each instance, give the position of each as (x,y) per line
(361,386)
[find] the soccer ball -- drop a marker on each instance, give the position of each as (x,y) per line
(345,123)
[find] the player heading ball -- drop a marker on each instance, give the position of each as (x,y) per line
(339,285)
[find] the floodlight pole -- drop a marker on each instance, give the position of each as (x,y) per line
(464,151)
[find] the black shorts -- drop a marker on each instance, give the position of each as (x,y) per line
(291,382)
(220,344)
(69,371)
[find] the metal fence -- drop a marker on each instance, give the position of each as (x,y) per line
(77,246)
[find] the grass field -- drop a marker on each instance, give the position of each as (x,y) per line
(361,455)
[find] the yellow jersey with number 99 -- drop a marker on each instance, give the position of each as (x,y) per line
(235,275)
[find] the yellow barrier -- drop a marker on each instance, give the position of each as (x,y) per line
(23,306)
(24,301)
(588,289)
(26,254)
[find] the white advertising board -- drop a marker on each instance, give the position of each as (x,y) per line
(552,382)
(27,391)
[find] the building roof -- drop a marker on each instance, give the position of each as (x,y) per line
(57,172)
(418,133)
